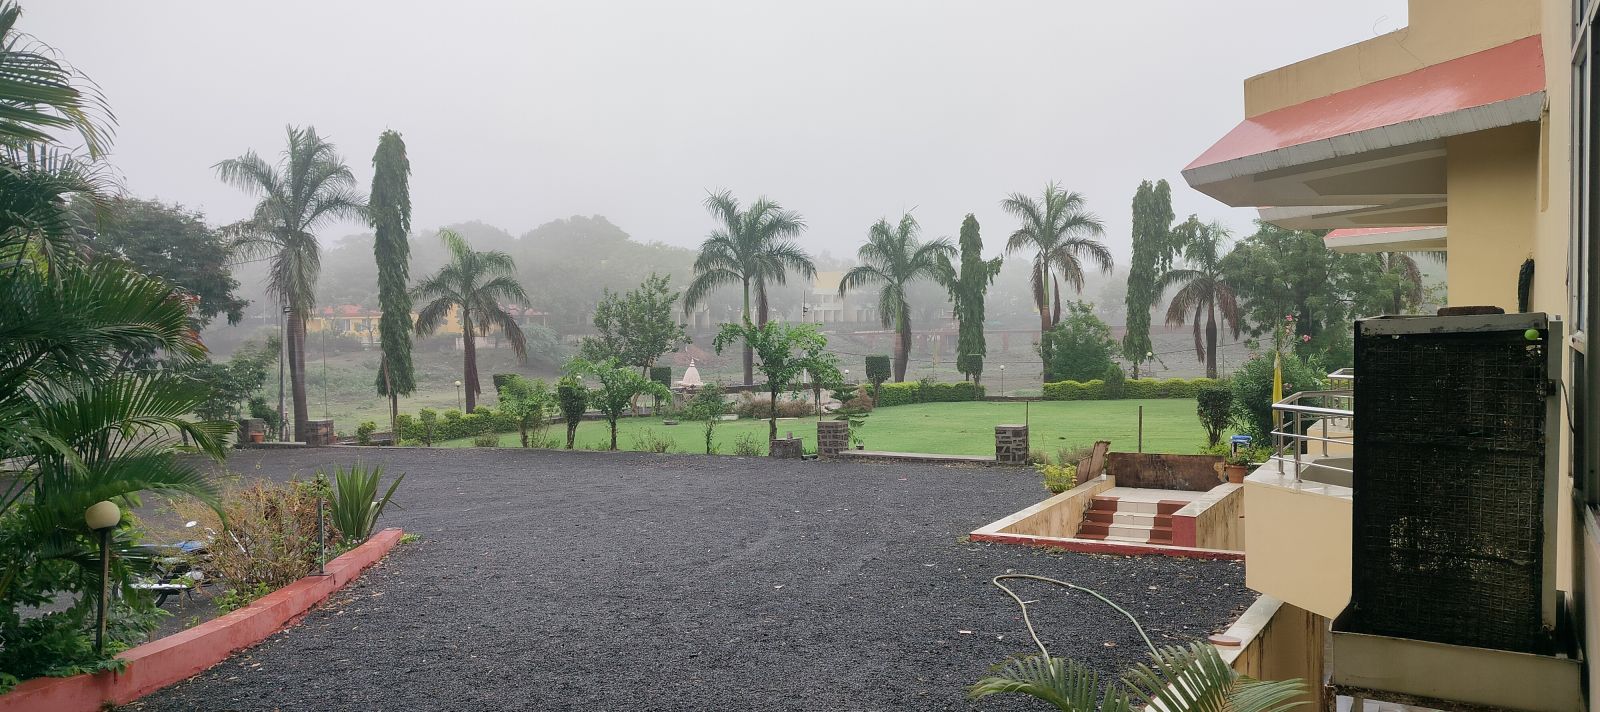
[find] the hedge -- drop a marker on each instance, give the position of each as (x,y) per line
(923,392)
(1133,388)
(454,425)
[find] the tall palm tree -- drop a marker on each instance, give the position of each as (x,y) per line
(477,285)
(1061,233)
(893,257)
(751,248)
(1202,288)
(1404,269)
(307,188)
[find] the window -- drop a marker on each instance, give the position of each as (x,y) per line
(1582,264)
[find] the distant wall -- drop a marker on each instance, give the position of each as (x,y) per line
(1191,473)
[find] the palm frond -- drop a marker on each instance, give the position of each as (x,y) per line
(1065,684)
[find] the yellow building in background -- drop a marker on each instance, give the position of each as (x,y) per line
(363,323)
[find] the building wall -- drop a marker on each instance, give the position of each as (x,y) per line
(1493,189)
(1298,541)
(1439,31)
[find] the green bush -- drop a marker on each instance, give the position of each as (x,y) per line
(1075,391)
(428,422)
(364,432)
(455,426)
(928,392)
(1252,390)
(1115,381)
(573,400)
(355,505)
(878,370)
(1214,405)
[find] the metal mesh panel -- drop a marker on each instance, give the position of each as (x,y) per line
(1449,488)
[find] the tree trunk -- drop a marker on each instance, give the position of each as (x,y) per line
(902,343)
(1136,370)
(394,402)
(772,421)
(469,363)
(749,354)
(297,371)
(572,433)
(613,422)
(1211,341)
(1044,326)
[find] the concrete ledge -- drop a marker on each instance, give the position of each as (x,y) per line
(177,657)
(1101,546)
(917,457)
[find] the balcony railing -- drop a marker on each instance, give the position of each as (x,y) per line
(1312,431)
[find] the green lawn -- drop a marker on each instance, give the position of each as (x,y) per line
(945,428)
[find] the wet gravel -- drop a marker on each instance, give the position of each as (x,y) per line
(623,581)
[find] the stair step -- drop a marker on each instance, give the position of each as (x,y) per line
(1129,518)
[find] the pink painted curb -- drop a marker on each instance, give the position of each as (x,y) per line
(180,656)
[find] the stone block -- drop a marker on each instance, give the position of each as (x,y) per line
(833,437)
(320,433)
(787,448)
(1011,444)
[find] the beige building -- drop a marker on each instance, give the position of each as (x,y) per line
(1469,132)
(824,305)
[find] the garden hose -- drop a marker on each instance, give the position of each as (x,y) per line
(1027,621)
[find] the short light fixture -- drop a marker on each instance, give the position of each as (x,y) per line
(102,517)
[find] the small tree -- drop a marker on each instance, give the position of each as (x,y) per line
(708,404)
(636,327)
(574,401)
(429,420)
(783,350)
(1214,405)
(619,385)
(1079,348)
(525,399)
(878,370)
(967,292)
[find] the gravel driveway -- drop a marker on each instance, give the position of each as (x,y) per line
(622,581)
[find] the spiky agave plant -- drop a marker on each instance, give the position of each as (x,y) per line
(356,505)
(1178,679)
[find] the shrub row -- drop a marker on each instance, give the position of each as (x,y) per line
(455,425)
(1131,388)
(928,392)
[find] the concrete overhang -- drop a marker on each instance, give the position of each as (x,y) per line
(1374,155)
(1387,239)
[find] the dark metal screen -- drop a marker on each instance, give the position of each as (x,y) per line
(1449,487)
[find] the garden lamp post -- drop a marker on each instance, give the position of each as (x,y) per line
(458,394)
(102,517)
(1002,380)
(1150,357)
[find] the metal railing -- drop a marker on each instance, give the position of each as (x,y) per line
(1330,417)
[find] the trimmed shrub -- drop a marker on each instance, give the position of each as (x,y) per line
(454,425)
(1115,380)
(1214,405)
(878,371)
(364,432)
(928,392)
(1075,391)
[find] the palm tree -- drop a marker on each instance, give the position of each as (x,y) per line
(893,257)
(1405,271)
(40,95)
(1202,288)
(1061,234)
(309,187)
(477,285)
(751,248)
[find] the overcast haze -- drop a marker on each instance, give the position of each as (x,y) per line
(518,114)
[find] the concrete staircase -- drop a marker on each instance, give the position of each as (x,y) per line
(1135,516)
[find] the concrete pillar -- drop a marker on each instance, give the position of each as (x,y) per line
(833,437)
(1011,444)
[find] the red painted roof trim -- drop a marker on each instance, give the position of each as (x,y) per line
(1494,75)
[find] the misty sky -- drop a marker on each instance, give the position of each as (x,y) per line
(520,113)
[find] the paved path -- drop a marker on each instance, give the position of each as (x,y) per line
(621,581)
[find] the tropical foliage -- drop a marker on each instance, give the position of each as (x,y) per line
(785,352)
(968,287)
(637,327)
(752,247)
(389,214)
(1079,348)
(165,241)
(78,424)
(891,260)
(307,188)
(355,505)
(1060,232)
(1191,678)
(1202,288)
(619,385)
(1153,250)
(528,400)
(477,286)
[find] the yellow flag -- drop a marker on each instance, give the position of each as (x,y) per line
(1277,385)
